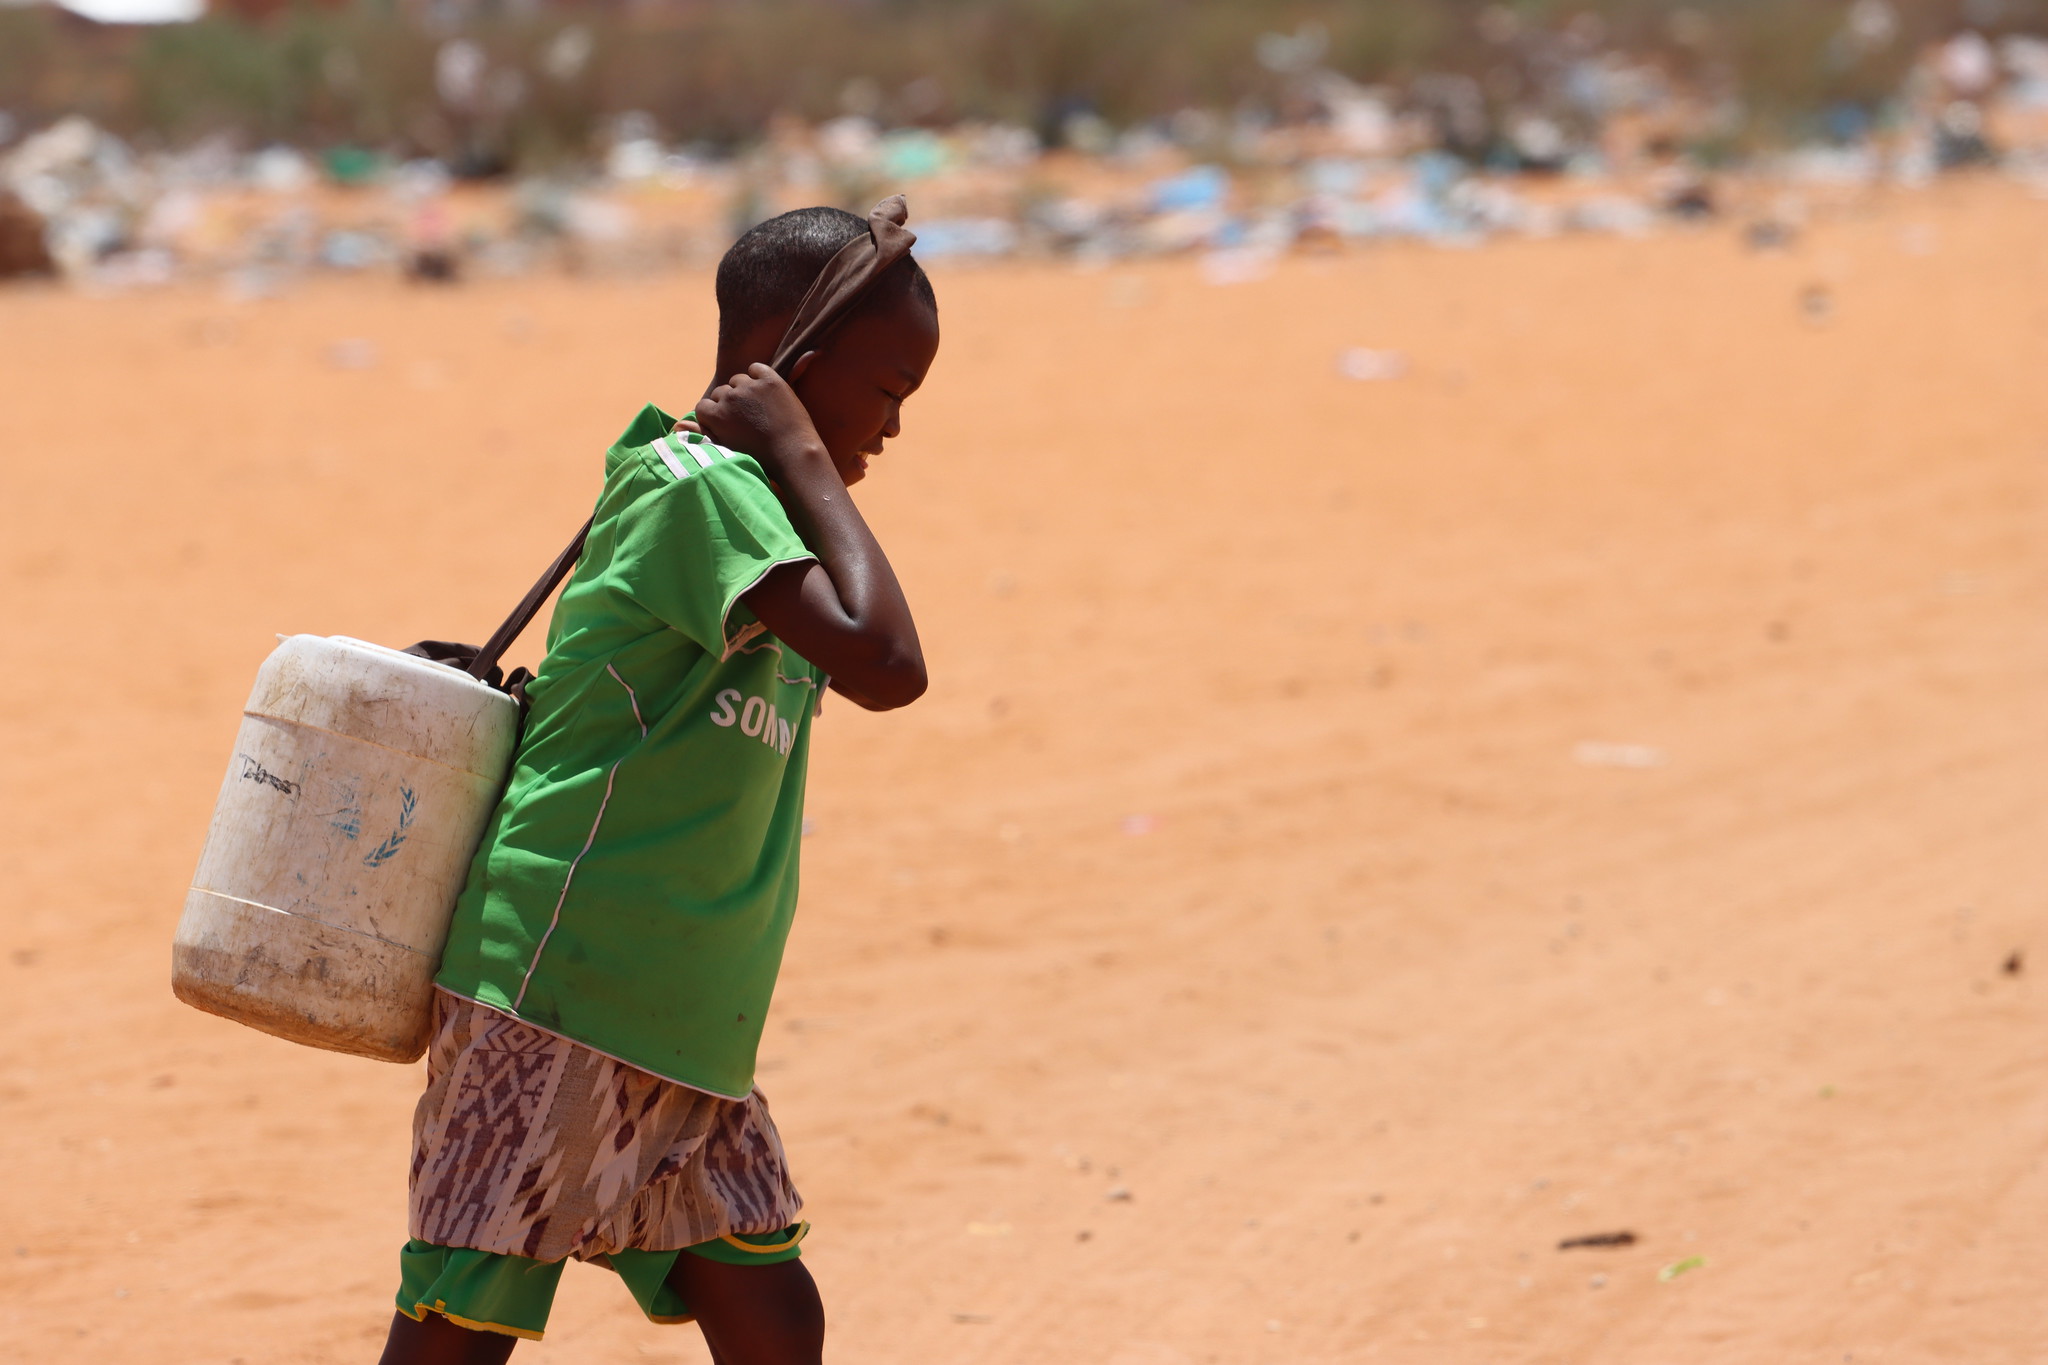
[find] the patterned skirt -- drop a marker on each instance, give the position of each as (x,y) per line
(527,1144)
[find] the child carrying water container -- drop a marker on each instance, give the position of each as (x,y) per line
(590,1086)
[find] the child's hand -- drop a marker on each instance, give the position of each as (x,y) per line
(759,414)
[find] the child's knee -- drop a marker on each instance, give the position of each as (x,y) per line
(433,1340)
(754,1314)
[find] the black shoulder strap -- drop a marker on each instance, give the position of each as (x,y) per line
(523,614)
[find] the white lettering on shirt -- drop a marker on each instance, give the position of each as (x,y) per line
(724,715)
(756,718)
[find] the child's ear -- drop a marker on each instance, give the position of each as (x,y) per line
(803,362)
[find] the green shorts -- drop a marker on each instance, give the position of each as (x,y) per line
(489,1292)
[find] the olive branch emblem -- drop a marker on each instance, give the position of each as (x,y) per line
(408,806)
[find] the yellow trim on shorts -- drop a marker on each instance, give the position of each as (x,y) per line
(802,1231)
(421,1310)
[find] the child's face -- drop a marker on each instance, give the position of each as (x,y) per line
(868,366)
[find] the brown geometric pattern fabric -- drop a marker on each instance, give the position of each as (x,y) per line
(527,1144)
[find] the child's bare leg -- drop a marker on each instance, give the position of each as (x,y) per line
(436,1341)
(753,1314)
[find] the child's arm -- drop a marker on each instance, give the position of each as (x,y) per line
(845,612)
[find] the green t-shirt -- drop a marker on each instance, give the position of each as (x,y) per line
(635,886)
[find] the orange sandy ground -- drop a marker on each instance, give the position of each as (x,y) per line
(1395,993)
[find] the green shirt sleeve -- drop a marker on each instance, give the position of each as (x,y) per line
(709,530)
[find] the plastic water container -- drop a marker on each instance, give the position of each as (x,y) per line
(360,785)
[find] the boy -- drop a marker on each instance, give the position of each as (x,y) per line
(590,1084)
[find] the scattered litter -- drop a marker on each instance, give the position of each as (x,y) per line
(1598,1239)
(1597,1282)
(2016,963)
(966,237)
(972,1318)
(1598,754)
(252,282)
(1611,213)
(1689,199)
(1274,1325)
(352,353)
(1817,302)
(1139,824)
(344,249)
(1769,235)
(989,1229)
(810,826)
(1677,1268)
(1237,265)
(280,170)
(1196,189)
(134,269)
(1119,1194)
(1333,163)
(1364,364)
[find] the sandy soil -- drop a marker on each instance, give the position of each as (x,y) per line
(1240,956)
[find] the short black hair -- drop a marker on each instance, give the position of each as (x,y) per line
(767,272)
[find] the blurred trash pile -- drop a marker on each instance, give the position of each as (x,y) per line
(1576,138)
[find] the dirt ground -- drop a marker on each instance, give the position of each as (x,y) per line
(1360,832)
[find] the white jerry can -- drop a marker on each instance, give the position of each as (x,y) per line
(360,785)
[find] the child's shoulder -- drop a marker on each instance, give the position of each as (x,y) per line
(684,527)
(684,493)
(652,453)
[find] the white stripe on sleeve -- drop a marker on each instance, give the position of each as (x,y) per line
(668,457)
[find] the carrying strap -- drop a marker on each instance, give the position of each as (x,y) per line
(522,615)
(845,278)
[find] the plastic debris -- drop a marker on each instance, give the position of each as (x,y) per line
(1570,132)
(1237,265)
(1602,754)
(352,353)
(1367,365)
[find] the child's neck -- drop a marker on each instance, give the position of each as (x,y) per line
(730,365)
